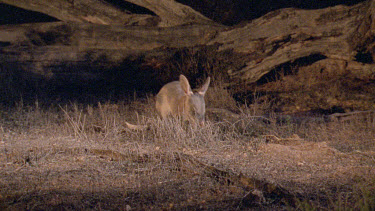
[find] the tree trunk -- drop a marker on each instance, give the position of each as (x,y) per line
(168,12)
(287,36)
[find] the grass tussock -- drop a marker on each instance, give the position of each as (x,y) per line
(83,157)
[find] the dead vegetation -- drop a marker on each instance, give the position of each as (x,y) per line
(78,156)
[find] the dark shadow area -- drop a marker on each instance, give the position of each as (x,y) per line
(130,7)
(35,72)
(335,109)
(230,12)
(81,82)
(364,57)
(14,15)
(94,79)
(289,68)
(4,44)
(148,198)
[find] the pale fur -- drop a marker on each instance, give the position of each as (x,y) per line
(177,99)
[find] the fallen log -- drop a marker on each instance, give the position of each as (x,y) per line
(287,36)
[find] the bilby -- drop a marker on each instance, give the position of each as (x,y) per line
(177,99)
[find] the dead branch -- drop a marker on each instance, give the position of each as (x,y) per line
(258,189)
(352,116)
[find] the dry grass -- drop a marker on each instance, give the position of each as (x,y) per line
(82,157)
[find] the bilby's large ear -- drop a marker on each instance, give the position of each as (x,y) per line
(204,88)
(185,85)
